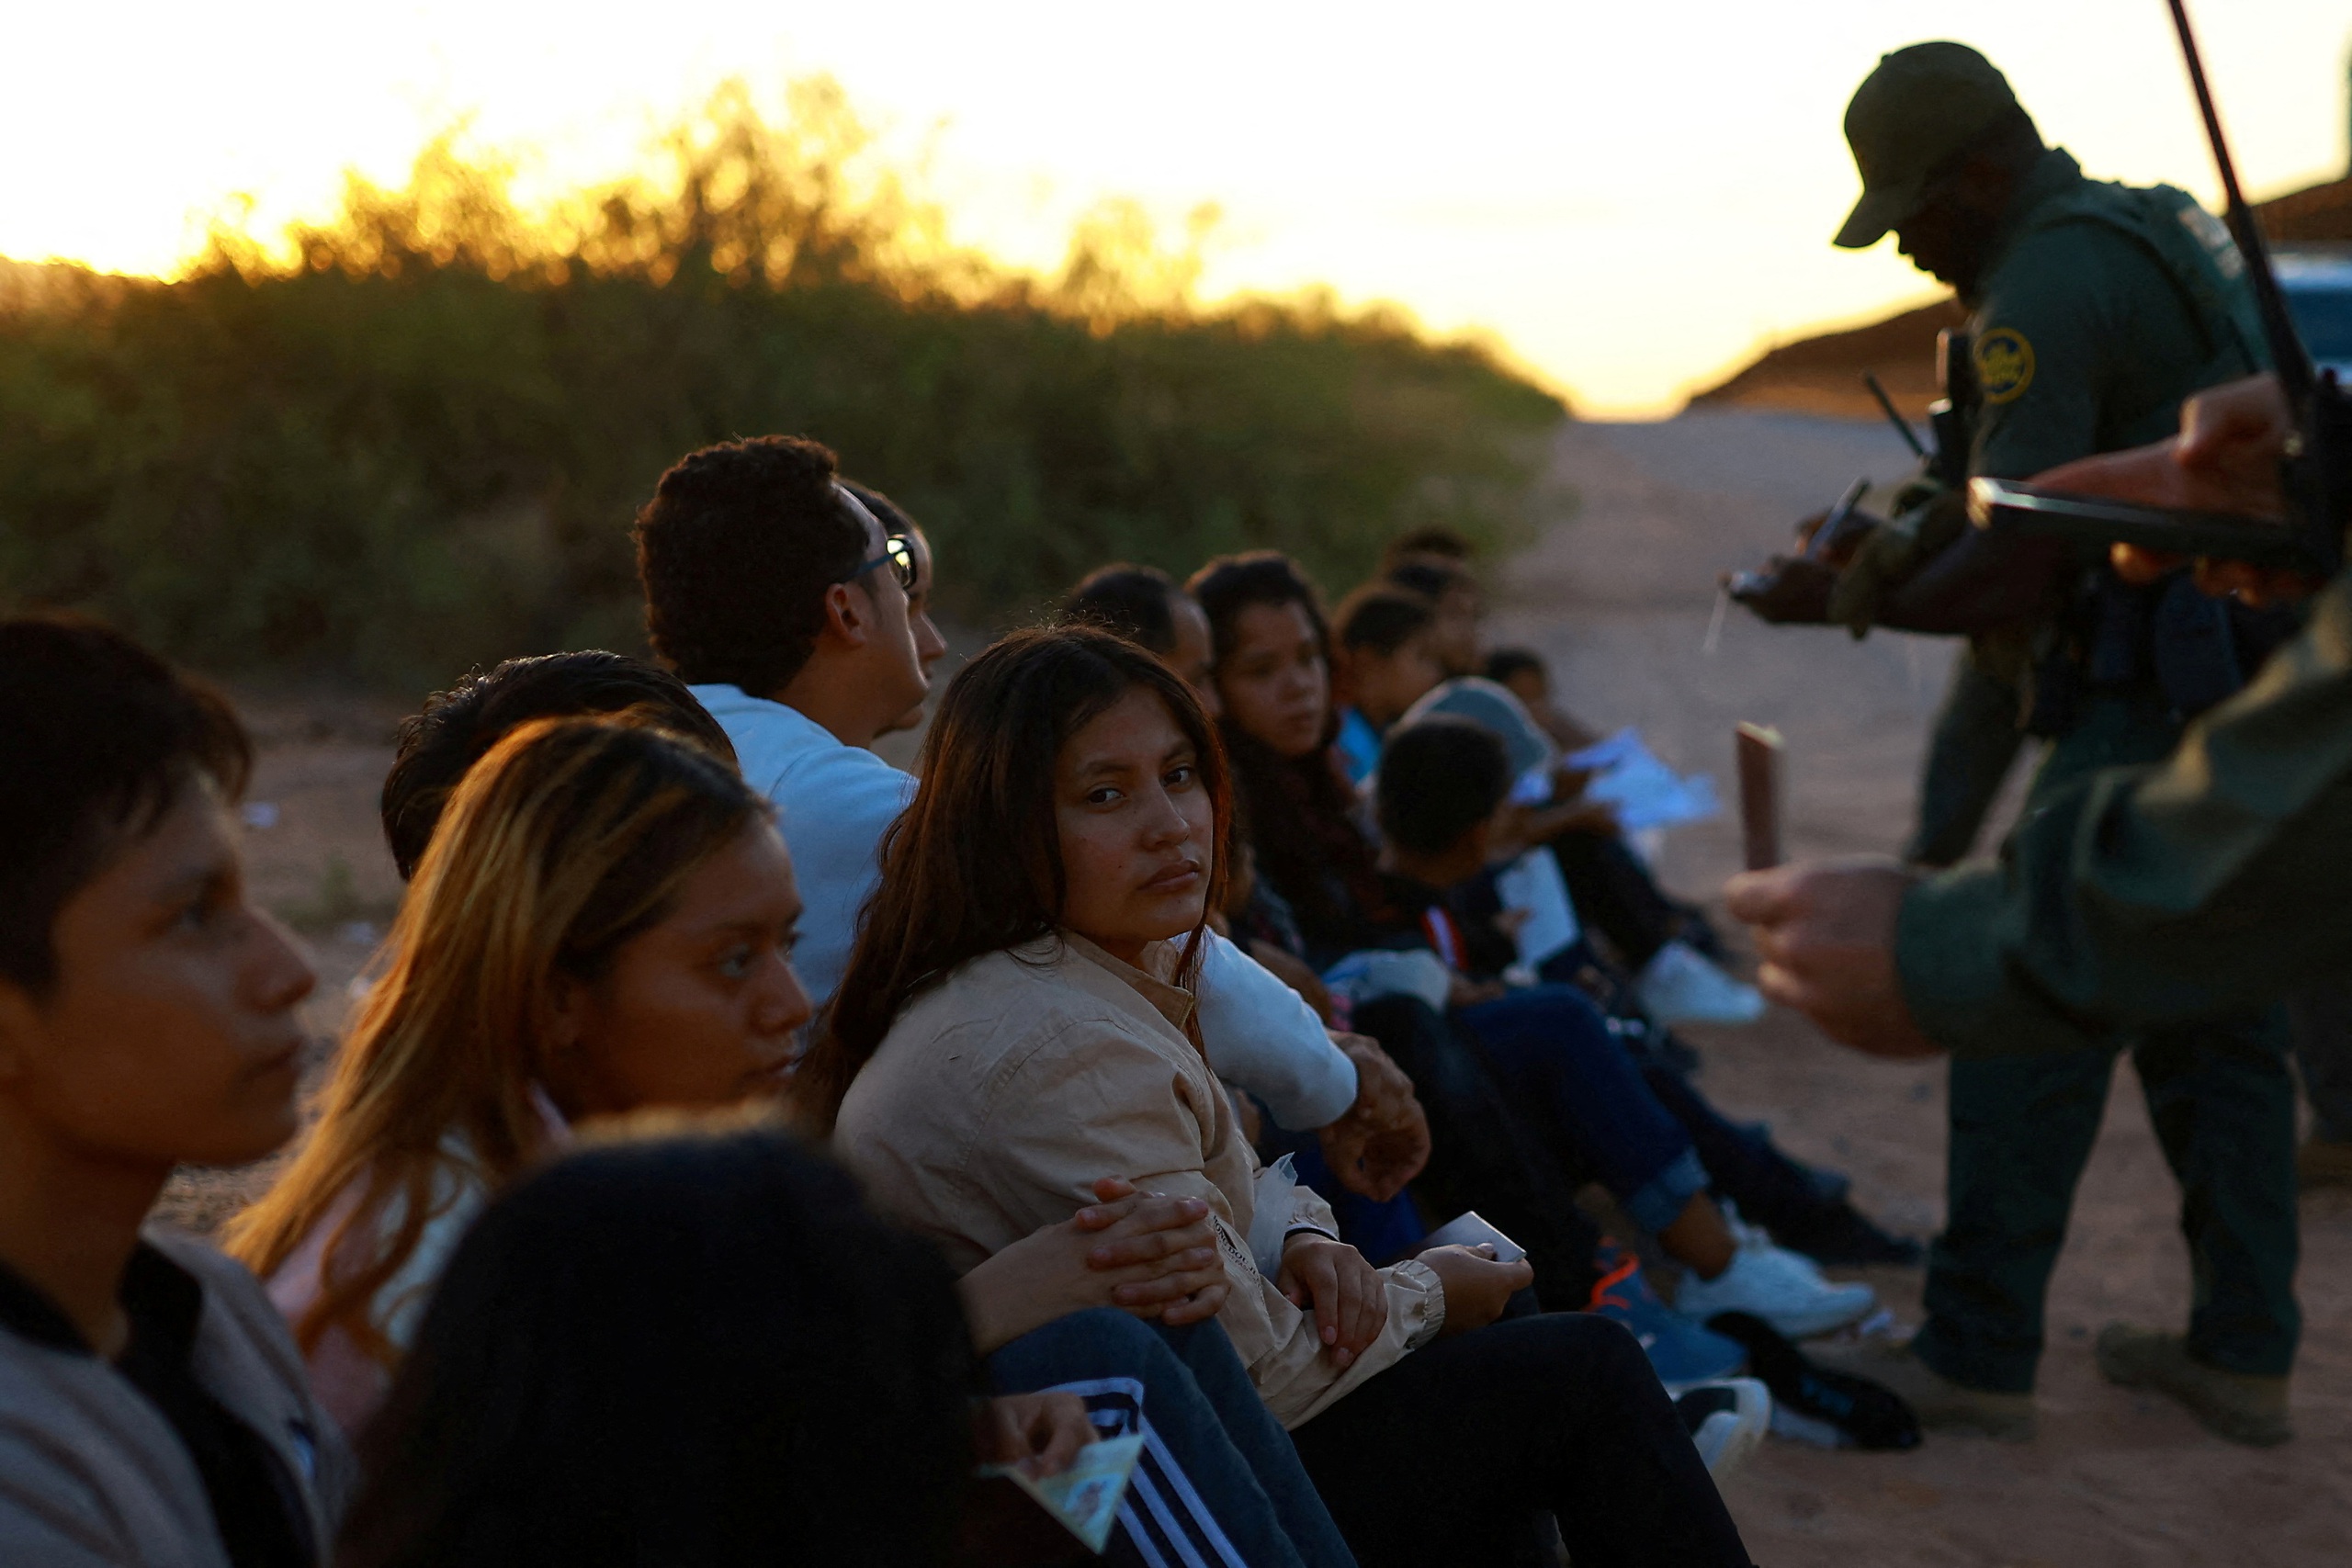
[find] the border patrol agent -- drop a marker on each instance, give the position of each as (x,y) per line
(2096,308)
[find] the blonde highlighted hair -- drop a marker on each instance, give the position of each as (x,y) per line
(569,838)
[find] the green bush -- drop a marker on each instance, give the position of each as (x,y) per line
(413,438)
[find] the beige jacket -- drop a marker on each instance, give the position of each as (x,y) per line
(1001,1096)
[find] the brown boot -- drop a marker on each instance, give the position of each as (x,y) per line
(2236,1406)
(1940,1403)
(2323,1162)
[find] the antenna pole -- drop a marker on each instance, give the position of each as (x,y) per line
(2294,367)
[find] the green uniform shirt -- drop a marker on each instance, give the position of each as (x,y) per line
(2103,307)
(2219,880)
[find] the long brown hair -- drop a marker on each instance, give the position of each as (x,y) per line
(569,838)
(1298,813)
(974,865)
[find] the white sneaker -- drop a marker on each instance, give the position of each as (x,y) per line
(1682,985)
(1783,1288)
(1726,1420)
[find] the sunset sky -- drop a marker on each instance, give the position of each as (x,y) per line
(1632,198)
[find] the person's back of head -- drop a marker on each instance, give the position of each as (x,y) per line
(567,841)
(736,551)
(1440,778)
(697,1349)
(457,727)
(1133,602)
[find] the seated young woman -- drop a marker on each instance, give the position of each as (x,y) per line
(1369,1139)
(1548,1041)
(601,922)
(153,1412)
(1015,1018)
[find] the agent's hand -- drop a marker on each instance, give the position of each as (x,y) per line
(1037,1432)
(1383,1140)
(1825,931)
(1790,591)
(2225,459)
(1350,1298)
(1476,1285)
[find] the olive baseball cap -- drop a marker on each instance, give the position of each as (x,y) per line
(1923,104)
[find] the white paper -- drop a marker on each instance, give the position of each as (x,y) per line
(1273,1204)
(1646,792)
(1533,883)
(1087,1495)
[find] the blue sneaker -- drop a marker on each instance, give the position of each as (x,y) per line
(1680,1351)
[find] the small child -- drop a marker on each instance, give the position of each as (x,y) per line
(1384,663)
(1443,783)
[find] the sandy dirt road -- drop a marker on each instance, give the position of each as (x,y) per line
(1620,599)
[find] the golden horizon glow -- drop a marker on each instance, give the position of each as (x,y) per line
(1628,206)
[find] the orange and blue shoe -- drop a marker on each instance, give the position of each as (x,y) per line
(1680,1351)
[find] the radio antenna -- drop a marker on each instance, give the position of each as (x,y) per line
(2292,364)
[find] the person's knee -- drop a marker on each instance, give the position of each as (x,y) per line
(1576,1356)
(1100,1342)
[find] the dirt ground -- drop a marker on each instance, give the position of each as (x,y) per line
(1620,599)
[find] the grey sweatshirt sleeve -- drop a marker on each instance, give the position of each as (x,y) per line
(1262,1038)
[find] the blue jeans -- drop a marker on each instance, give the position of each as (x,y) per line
(1551,1046)
(1220,1483)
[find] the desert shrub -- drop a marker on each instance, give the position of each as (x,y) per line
(411,438)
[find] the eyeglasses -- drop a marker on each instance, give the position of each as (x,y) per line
(898,555)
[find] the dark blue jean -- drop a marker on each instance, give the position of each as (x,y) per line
(1485,1154)
(1551,1046)
(1227,1463)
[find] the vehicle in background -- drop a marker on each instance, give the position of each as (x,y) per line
(2317,282)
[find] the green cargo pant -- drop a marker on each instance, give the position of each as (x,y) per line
(1973,743)
(2223,1105)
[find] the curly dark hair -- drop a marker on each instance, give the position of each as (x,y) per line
(99,738)
(459,727)
(736,550)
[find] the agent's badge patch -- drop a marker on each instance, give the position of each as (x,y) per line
(2004,365)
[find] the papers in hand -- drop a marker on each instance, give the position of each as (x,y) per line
(1274,1201)
(1470,1228)
(1087,1495)
(1646,792)
(1533,883)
